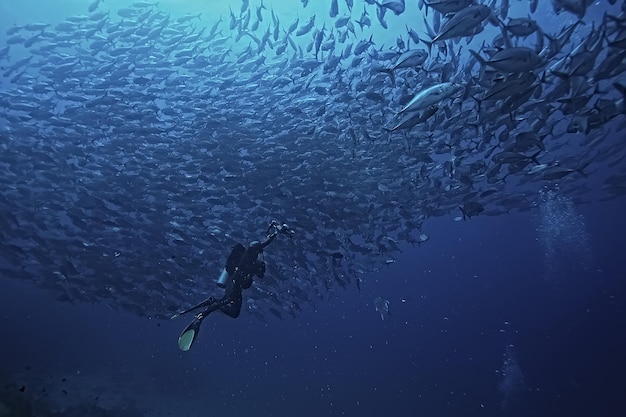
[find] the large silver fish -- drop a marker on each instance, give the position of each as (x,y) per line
(431,96)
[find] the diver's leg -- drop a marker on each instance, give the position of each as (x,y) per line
(211,308)
(205,303)
(189,335)
(231,304)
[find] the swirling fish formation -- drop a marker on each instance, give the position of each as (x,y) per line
(137,148)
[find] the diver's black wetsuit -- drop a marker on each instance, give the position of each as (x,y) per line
(241,266)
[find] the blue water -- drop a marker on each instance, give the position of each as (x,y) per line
(522,314)
(439,352)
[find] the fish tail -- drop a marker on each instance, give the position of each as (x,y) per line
(533,157)
(478,101)
(479,58)
(550,37)
(622,89)
(560,74)
(390,73)
(429,44)
(581,170)
(476,126)
(464,214)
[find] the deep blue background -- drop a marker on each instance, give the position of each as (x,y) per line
(438,353)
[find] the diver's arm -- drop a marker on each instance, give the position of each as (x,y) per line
(269,238)
(283,228)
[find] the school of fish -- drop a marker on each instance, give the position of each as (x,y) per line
(136,147)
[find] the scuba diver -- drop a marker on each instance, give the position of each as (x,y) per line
(242,264)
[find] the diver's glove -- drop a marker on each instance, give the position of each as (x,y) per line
(285,229)
(273,224)
(280,228)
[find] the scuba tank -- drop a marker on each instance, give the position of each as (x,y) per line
(221,281)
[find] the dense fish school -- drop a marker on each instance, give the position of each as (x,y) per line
(137,147)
